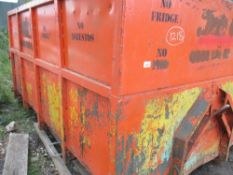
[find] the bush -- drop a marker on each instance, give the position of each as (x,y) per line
(6,95)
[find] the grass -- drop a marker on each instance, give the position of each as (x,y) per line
(6,95)
(10,108)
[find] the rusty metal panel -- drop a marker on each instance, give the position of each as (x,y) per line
(88,128)
(146,128)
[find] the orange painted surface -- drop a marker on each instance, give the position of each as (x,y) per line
(47,35)
(18,76)
(50,101)
(202,34)
(126,86)
(15,33)
(26,33)
(88,127)
(90,28)
(28,76)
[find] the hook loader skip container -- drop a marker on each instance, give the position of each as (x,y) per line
(128,87)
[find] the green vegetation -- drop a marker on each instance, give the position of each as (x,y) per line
(6,95)
(11,109)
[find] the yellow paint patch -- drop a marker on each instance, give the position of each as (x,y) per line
(29,90)
(54,103)
(77,111)
(228,88)
(162,117)
(85,141)
(73,95)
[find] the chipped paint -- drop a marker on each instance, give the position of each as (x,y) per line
(228,88)
(78,116)
(73,107)
(195,157)
(162,117)
(88,127)
(52,91)
(152,146)
(84,143)
(54,106)
(77,112)
(81,82)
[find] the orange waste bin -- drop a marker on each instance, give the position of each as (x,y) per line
(128,87)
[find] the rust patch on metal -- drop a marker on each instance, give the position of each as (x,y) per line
(151,147)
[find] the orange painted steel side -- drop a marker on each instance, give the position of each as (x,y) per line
(29,75)
(89,27)
(48,45)
(128,87)
(196,41)
(17,71)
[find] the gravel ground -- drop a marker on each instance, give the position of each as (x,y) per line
(41,164)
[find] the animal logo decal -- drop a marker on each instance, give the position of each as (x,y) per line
(214,25)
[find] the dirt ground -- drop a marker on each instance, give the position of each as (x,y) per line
(41,164)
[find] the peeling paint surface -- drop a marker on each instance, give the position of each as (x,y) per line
(143,152)
(88,81)
(203,150)
(51,102)
(197,156)
(54,106)
(88,128)
(228,87)
(162,117)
